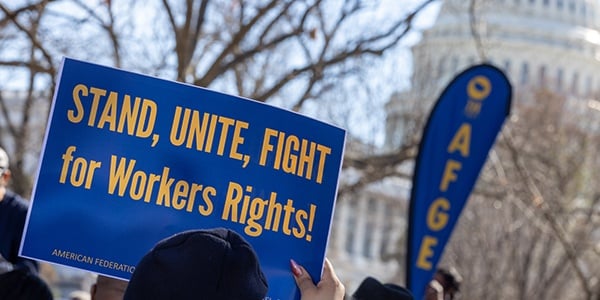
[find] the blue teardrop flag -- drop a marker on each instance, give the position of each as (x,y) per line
(461,129)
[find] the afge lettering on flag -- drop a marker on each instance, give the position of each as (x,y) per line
(130,159)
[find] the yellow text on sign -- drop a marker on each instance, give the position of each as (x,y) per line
(293,155)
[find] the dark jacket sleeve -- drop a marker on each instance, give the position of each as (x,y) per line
(15,222)
(21,262)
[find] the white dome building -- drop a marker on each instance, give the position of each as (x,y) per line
(549,44)
(554,44)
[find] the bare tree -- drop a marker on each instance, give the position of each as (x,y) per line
(280,51)
(18,118)
(528,231)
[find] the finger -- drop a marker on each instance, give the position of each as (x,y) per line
(303,279)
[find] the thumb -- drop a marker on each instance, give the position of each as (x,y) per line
(328,272)
(303,279)
(331,282)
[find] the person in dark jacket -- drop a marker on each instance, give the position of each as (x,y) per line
(13,212)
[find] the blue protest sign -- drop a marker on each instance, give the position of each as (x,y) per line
(130,159)
(461,129)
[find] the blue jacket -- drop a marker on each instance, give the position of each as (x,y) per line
(13,211)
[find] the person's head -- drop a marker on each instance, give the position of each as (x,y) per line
(444,285)
(372,289)
(199,264)
(5,266)
(20,284)
(449,280)
(79,295)
(4,168)
(107,288)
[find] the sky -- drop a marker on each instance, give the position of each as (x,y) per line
(391,74)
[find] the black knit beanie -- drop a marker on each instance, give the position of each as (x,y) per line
(372,289)
(199,264)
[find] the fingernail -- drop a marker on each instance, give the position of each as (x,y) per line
(295,268)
